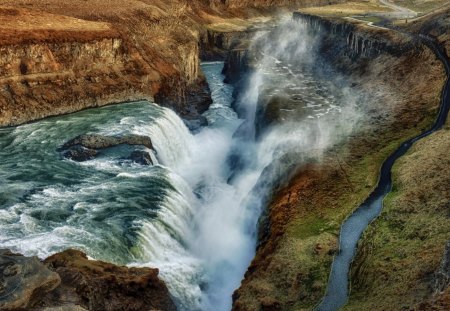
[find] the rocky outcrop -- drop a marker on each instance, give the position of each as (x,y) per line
(79,153)
(214,45)
(24,280)
(97,285)
(70,281)
(87,147)
(94,141)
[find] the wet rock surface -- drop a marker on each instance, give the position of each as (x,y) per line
(69,281)
(79,153)
(94,141)
(88,147)
(140,157)
(24,280)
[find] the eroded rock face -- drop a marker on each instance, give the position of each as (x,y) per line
(68,281)
(24,280)
(97,285)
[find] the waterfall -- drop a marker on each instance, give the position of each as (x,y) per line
(194,213)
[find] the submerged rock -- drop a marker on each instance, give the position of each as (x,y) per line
(70,281)
(24,280)
(79,153)
(141,157)
(195,123)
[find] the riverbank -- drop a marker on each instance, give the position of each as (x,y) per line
(291,269)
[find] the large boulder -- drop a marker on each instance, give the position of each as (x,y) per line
(97,285)
(95,141)
(87,147)
(24,280)
(69,281)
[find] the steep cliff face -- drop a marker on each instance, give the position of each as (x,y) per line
(57,60)
(44,79)
(51,63)
(357,40)
(52,60)
(215,45)
(393,74)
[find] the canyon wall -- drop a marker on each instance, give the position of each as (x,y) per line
(57,60)
(392,72)
(44,79)
(52,63)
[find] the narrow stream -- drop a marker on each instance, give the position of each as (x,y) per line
(352,229)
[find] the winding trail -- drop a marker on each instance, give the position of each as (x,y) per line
(353,227)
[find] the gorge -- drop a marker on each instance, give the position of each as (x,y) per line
(237,199)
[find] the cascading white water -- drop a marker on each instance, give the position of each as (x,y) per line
(195,214)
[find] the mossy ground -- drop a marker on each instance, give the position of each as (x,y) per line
(403,248)
(319,231)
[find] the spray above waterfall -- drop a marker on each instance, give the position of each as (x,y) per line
(312,117)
